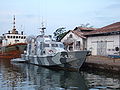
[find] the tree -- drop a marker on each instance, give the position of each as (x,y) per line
(85,25)
(59,33)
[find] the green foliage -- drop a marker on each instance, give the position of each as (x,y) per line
(59,33)
(85,25)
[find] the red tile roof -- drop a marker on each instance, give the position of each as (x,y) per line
(85,28)
(78,33)
(109,28)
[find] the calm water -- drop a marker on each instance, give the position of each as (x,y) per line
(16,76)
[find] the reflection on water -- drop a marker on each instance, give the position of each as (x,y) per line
(30,77)
(101,80)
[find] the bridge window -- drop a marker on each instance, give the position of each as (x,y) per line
(61,45)
(46,45)
(13,36)
(16,36)
(54,45)
(8,36)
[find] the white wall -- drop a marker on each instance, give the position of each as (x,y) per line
(75,37)
(7,41)
(111,40)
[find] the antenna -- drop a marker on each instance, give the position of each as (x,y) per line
(42,28)
(14,22)
(14,29)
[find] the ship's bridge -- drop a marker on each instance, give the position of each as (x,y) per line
(9,39)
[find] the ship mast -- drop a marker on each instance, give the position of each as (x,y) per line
(42,40)
(42,29)
(14,28)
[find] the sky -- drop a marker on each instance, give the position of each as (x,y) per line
(56,14)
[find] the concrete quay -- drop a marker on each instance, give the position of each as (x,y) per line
(102,63)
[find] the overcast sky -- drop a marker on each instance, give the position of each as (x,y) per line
(57,13)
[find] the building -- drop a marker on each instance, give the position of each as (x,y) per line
(75,39)
(104,41)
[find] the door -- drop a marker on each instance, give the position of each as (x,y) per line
(101,48)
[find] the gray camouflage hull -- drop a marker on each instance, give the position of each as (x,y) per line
(68,60)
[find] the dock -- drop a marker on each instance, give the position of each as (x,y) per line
(102,63)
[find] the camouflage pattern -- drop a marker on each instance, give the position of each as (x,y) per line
(73,59)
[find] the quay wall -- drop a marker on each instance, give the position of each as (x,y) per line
(102,63)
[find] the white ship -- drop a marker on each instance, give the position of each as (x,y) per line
(12,44)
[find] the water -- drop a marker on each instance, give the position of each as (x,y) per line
(16,76)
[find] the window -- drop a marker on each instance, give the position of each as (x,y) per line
(61,45)
(0,41)
(46,45)
(13,36)
(70,36)
(113,50)
(54,45)
(8,36)
(4,36)
(109,49)
(78,43)
(116,48)
(16,36)
(16,40)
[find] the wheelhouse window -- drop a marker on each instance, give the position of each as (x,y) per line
(46,45)
(8,36)
(13,36)
(61,45)
(54,45)
(16,36)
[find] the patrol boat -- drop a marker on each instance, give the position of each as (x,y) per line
(43,51)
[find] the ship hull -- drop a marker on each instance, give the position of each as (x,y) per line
(66,60)
(12,51)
